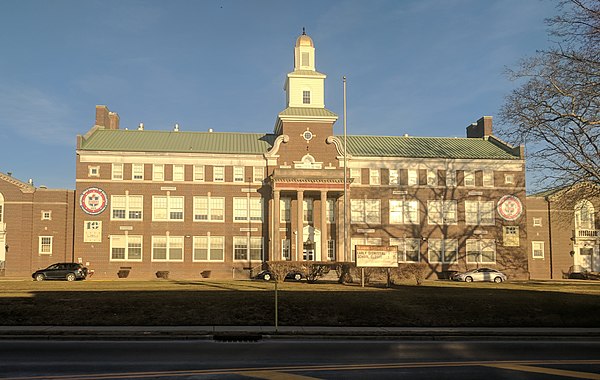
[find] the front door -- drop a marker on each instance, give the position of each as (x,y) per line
(309,251)
(585,258)
(312,243)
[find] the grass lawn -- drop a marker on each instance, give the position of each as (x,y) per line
(172,302)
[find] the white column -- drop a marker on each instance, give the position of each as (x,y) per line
(300,226)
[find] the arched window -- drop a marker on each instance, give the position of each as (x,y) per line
(1,207)
(584,216)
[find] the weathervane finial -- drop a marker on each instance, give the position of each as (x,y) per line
(303,31)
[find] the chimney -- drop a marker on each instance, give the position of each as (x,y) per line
(481,129)
(141,127)
(106,119)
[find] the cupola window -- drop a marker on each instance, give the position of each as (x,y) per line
(306,97)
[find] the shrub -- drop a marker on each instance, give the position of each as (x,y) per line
(279,269)
(414,271)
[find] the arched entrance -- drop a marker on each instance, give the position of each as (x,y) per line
(312,244)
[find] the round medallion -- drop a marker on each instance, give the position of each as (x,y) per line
(510,207)
(93,201)
(307,135)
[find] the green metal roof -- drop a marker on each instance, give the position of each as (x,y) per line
(307,111)
(425,147)
(258,143)
(179,142)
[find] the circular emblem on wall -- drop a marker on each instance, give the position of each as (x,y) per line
(307,135)
(93,201)
(510,207)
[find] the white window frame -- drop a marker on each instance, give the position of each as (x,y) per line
(438,212)
(406,245)
(131,204)
(479,245)
(308,210)
(469,178)
(443,246)
(46,214)
(403,211)
(509,179)
(158,172)
(480,213)
(128,246)
(248,209)
(330,210)
(45,244)
(171,243)
(360,214)
(212,206)
(374,177)
(537,246)
(117,172)
(285,210)
(306,97)
(286,250)
(362,241)
(239,173)
(330,250)
(488,178)
(214,245)
(93,171)
(171,207)
(432,177)
(199,173)
(137,172)
(248,242)
(218,173)
(413,177)
(178,173)
(393,177)
(450,178)
(356,174)
(258,174)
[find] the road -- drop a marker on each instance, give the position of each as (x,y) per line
(298,359)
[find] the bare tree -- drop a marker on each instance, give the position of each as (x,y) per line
(555,111)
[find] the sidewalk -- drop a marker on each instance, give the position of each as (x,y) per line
(254,333)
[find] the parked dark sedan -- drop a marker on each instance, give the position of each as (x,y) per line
(61,271)
(268,276)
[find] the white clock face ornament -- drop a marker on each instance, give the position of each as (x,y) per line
(307,135)
(510,207)
(93,201)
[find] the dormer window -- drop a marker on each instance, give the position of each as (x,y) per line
(305,97)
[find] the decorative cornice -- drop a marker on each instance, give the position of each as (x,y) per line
(24,187)
(276,144)
(339,146)
(307,180)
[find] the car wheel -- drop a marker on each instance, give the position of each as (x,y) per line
(40,277)
(297,276)
(71,277)
(267,277)
(468,279)
(497,280)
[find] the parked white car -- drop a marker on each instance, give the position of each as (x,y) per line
(481,274)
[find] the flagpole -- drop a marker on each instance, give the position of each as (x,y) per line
(346,258)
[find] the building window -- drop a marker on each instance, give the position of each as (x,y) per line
(413,177)
(481,251)
(365,211)
(479,213)
(509,179)
(178,173)
(408,249)
(305,97)
(199,173)
(285,206)
(137,172)
(125,248)
(45,245)
(218,174)
(167,208)
(308,210)
(93,171)
(247,209)
(247,248)
(286,252)
(537,249)
(441,212)
(1,207)
(511,236)
(158,172)
(209,209)
(46,215)
(432,178)
(126,207)
(238,174)
(584,216)
(117,172)
(362,241)
(330,210)
(167,248)
(258,174)
(355,173)
(469,178)
(404,212)
(330,250)
(305,59)
(488,178)
(450,178)
(92,231)
(374,177)
(209,248)
(442,250)
(393,177)
(537,222)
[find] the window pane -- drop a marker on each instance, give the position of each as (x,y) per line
(200,248)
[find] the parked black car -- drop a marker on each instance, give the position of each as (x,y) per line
(61,271)
(268,276)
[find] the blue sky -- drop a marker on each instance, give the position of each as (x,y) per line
(423,67)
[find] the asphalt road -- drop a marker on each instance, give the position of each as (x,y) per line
(298,359)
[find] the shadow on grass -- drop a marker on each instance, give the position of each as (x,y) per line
(219,304)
